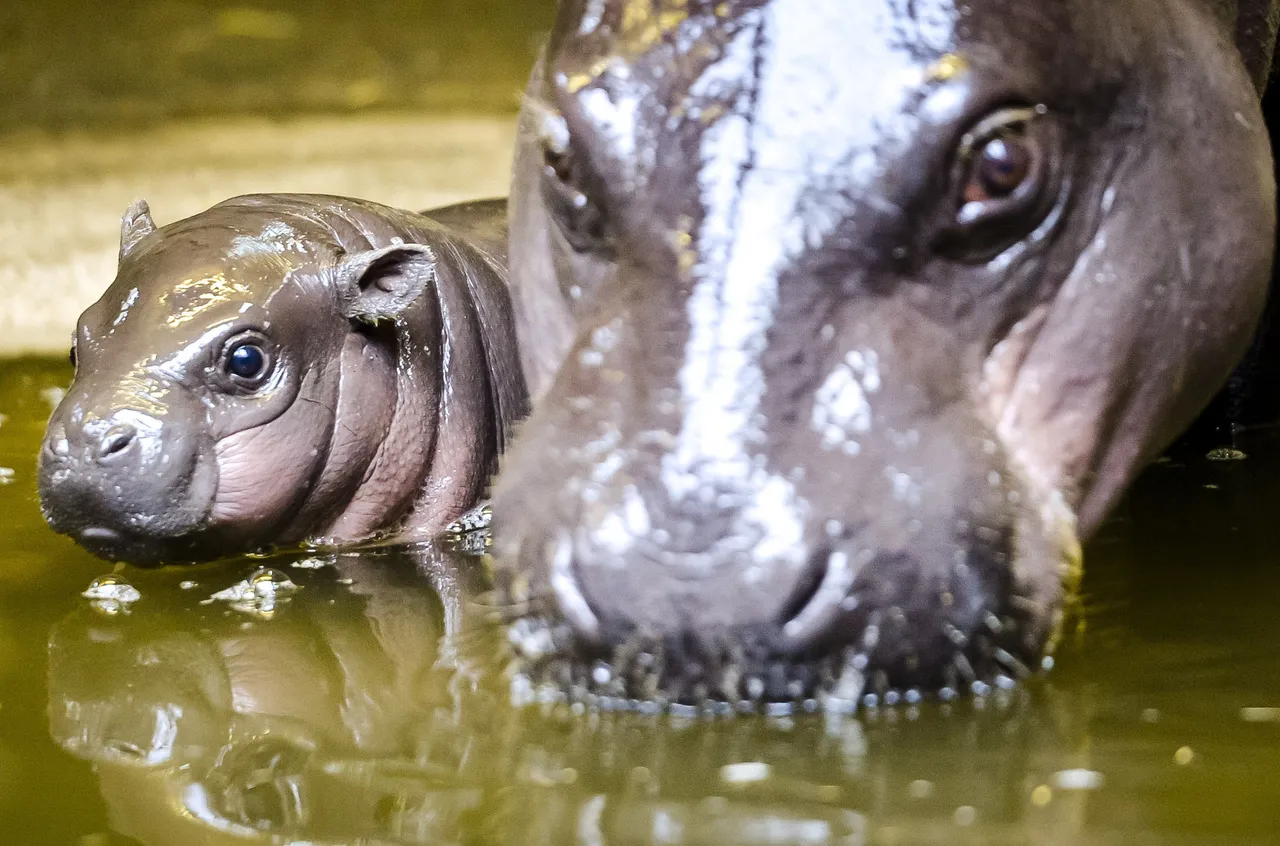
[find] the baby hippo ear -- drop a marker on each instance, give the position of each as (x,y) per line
(134,226)
(380,284)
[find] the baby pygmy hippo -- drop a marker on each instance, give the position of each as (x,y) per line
(283,368)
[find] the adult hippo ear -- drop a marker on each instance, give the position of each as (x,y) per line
(135,225)
(1181,257)
(377,285)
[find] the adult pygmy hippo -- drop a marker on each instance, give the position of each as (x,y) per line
(285,367)
(845,322)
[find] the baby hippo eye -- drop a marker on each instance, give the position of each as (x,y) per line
(246,363)
(1000,167)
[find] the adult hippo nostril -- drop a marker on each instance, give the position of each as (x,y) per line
(819,602)
(115,441)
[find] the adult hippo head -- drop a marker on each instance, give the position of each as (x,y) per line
(285,367)
(847,321)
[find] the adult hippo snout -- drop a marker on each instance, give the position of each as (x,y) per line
(123,460)
(846,322)
(881,521)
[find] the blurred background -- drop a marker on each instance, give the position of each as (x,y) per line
(409,102)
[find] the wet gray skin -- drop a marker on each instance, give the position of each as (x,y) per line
(845,323)
(283,368)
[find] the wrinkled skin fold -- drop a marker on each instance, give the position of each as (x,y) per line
(282,368)
(846,323)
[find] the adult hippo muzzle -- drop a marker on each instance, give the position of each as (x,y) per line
(281,368)
(846,322)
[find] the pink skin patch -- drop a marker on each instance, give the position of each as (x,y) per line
(267,471)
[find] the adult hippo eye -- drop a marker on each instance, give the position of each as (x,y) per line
(1006,176)
(246,363)
(577,216)
(999,168)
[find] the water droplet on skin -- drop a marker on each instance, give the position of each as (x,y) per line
(965,815)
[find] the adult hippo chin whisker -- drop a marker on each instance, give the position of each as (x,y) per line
(886,623)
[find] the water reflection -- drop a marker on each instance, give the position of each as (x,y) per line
(371,708)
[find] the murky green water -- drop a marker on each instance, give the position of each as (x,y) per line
(369,708)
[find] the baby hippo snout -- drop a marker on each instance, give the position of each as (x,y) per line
(118,482)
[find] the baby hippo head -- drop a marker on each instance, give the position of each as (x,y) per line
(236,384)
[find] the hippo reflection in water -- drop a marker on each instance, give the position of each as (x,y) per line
(846,322)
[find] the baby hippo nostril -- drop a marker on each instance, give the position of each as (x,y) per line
(116,439)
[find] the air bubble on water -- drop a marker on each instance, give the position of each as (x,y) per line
(111,595)
(1226,454)
(53,396)
(475,520)
(260,594)
(1078,779)
(309,564)
(1260,715)
(965,815)
(7,475)
(188,584)
(920,789)
(752,772)
(532,640)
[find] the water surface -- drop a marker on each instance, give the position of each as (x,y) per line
(371,705)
